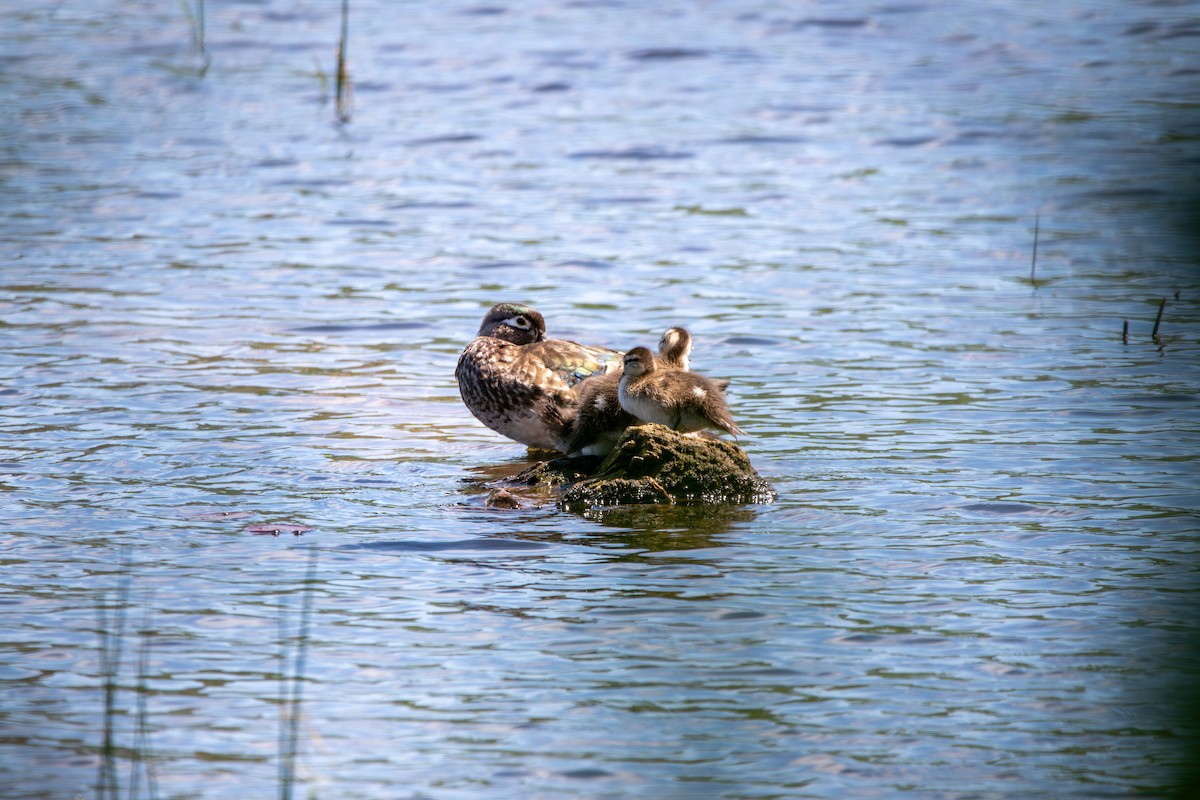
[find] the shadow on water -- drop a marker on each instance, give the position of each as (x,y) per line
(647,528)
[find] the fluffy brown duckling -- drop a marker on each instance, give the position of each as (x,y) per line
(675,351)
(599,419)
(683,401)
(675,348)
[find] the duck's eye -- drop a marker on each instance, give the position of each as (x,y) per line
(522,323)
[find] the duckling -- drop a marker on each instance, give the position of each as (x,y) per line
(683,401)
(675,348)
(519,383)
(600,420)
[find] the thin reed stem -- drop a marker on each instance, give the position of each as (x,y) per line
(344,102)
(1158,321)
(110,621)
(195,20)
(143,756)
(292,678)
(286,765)
(1037,229)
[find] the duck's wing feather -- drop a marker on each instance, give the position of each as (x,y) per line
(570,361)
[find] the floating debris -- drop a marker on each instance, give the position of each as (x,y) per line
(276,528)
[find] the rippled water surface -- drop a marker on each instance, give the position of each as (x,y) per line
(223,308)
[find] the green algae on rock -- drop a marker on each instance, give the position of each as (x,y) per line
(653,464)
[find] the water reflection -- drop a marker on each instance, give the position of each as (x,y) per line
(468,546)
(670,527)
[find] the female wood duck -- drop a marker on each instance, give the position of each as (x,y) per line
(519,383)
(600,420)
(683,401)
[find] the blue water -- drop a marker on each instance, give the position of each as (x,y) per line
(222,307)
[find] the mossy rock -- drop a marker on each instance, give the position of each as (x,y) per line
(654,464)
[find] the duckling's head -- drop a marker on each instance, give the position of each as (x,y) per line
(514,323)
(675,347)
(639,361)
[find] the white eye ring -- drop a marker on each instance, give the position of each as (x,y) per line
(521,322)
